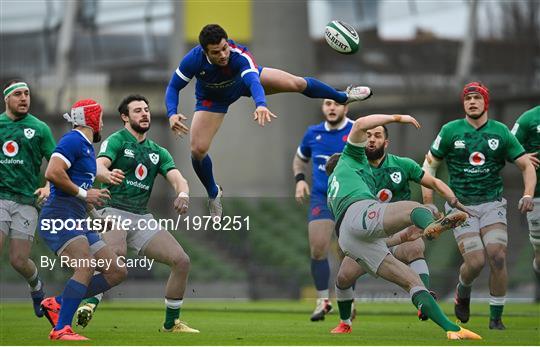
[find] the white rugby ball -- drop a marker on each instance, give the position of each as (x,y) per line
(342,37)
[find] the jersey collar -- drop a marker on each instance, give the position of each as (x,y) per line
(133,137)
(83,135)
(343,124)
(480,127)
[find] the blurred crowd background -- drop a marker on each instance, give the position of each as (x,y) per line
(415,55)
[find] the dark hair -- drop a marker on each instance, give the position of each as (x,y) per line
(385,132)
(10,82)
(211,34)
(123,107)
(331,163)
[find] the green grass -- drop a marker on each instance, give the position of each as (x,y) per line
(268,323)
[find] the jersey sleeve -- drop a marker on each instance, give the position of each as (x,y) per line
(68,149)
(110,148)
(166,162)
(355,154)
(304,150)
(48,143)
(519,130)
(514,149)
(439,148)
(179,79)
(414,171)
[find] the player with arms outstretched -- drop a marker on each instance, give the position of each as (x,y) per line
(363,223)
(226,71)
(475,149)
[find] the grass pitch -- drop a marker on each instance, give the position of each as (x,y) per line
(268,323)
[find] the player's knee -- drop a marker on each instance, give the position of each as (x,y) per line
(199,149)
(344,280)
(415,250)
(119,274)
(497,259)
(476,262)
(297,84)
(319,251)
(180,261)
(120,251)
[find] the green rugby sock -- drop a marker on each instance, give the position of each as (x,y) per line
(425,279)
(495,311)
(171,314)
(345,308)
(425,302)
(422,217)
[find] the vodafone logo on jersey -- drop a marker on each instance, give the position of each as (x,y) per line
(477,159)
(384,195)
(10,148)
(140,172)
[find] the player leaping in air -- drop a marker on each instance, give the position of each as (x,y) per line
(225,71)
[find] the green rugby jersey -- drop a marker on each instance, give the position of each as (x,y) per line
(527,131)
(392,178)
(351,180)
(475,158)
(25,143)
(141,163)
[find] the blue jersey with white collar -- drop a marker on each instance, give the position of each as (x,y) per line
(78,153)
(319,143)
(217,83)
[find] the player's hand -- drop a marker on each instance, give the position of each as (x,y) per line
(411,233)
(434,210)
(42,195)
(177,126)
(454,202)
(181,203)
(526,204)
(115,177)
(262,114)
(406,119)
(302,191)
(97,197)
(533,157)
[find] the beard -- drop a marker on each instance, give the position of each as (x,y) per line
(335,121)
(96,137)
(138,129)
(374,154)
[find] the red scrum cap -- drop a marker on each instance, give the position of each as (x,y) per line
(85,112)
(477,87)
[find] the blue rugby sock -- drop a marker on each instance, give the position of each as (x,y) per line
(203,169)
(59,299)
(320,270)
(71,298)
(320,90)
(97,285)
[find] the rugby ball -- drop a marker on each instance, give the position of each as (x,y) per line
(342,37)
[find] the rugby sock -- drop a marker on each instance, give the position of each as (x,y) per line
(463,289)
(36,292)
(71,298)
(320,90)
(420,267)
(34,281)
(203,169)
(345,299)
(172,312)
(320,270)
(496,306)
(94,301)
(425,303)
(59,299)
(97,285)
(421,217)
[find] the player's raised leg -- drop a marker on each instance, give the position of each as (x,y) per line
(279,81)
(320,234)
(164,248)
(203,129)
(495,239)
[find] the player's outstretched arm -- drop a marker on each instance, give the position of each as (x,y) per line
(57,174)
(181,187)
(363,124)
(300,167)
(104,175)
(432,183)
(431,164)
(528,171)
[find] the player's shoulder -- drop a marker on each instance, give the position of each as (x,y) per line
(399,160)
(530,115)
(117,135)
(459,123)
(153,145)
(236,47)
(31,119)
(499,126)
